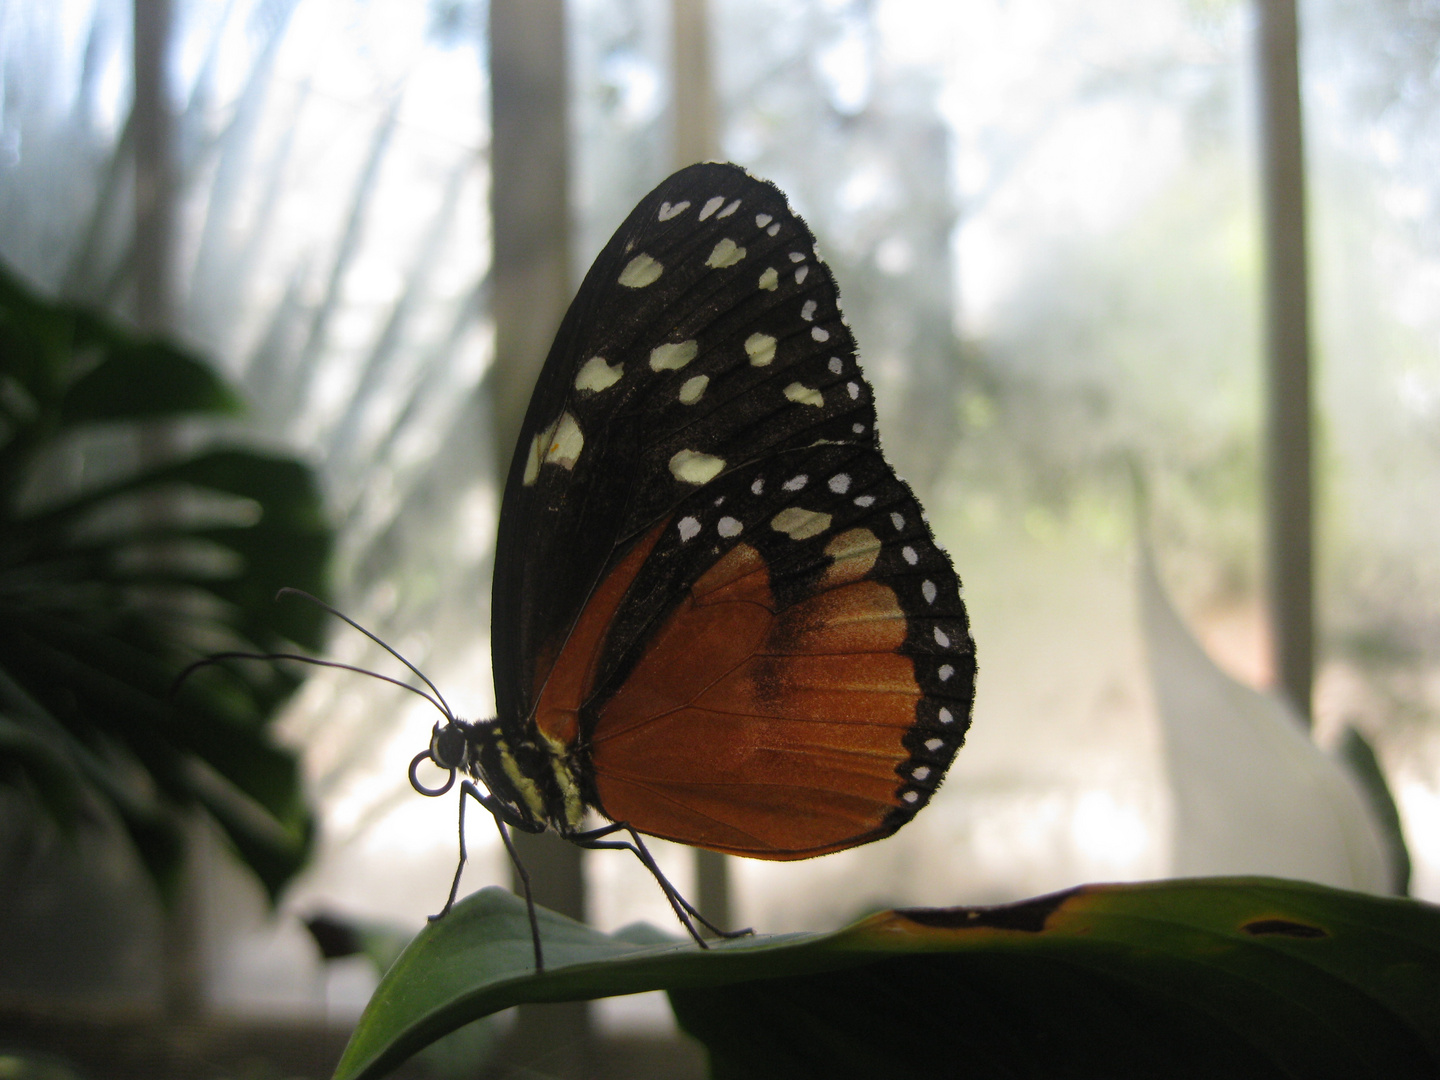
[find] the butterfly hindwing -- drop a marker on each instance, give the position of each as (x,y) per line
(703,555)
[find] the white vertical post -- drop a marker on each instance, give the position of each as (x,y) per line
(153,129)
(530,220)
(152,126)
(1288,458)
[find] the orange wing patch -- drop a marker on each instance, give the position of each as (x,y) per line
(568,679)
(772,734)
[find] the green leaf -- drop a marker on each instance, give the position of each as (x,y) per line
(30,759)
(1355,751)
(1232,977)
(102,686)
(35,336)
(146,380)
(283,487)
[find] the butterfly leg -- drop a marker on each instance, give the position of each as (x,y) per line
(502,815)
(529,900)
(641,850)
(684,910)
(460,866)
(678,903)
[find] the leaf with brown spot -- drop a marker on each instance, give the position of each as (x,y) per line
(1167,978)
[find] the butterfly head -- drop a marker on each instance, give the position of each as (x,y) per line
(449,749)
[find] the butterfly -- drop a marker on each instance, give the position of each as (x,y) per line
(719,617)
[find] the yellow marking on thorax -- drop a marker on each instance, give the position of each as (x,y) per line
(574,808)
(569,788)
(527,788)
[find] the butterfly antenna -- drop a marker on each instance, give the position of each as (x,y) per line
(444,705)
(300,658)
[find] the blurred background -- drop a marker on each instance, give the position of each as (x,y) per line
(1059,231)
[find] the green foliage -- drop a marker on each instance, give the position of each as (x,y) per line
(1359,757)
(124,557)
(1235,977)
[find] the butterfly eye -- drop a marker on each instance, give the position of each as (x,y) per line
(447,747)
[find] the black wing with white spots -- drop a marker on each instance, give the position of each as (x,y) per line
(704,379)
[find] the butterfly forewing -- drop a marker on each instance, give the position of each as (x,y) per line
(763,649)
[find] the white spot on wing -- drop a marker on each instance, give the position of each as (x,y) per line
(858,429)
(864,500)
(726,253)
(561,443)
(689,527)
(921,772)
(728,527)
(800,275)
(667,211)
(911,796)
(909,553)
(760,348)
(596,375)
(693,389)
(734,205)
(532,459)
(804,395)
(897,520)
(807,312)
(945,672)
(941,638)
(711,206)
(840,483)
(928,589)
(770,279)
(761,220)
(673,356)
(854,389)
(640,271)
(946,716)
(693,467)
(817,332)
(797,256)
(758,486)
(773,229)
(934,744)
(800,524)
(835,365)
(795,483)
